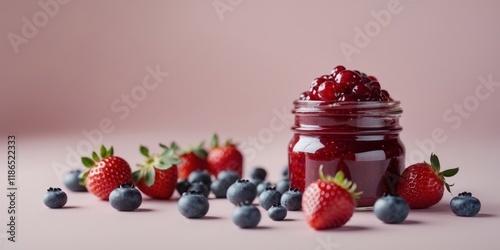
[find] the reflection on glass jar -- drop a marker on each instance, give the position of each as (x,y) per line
(359,138)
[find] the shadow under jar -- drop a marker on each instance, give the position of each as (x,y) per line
(359,138)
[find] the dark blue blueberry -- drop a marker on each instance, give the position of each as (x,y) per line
(219,187)
(292,200)
(182,186)
(200,187)
(258,173)
(284,172)
(72,181)
(125,198)
(269,197)
(193,204)
(391,209)
(246,216)
(242,191)
(283,185)
(465,205)
(256,181)
(262,186)
(229,176)
(277,212)
(55,198)
(200,175)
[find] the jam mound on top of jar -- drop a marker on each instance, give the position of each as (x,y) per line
(347,122)
(344,85)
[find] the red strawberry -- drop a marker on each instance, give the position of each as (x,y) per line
(422,185)
(157,176)
(192,159)
(105,173)
(226,157)
(330,201)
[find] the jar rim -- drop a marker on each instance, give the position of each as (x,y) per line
(392,107)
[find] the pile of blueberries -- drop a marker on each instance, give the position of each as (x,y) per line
(228,185)
(276,200)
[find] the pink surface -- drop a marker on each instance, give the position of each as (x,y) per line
(87,220)
(130,73)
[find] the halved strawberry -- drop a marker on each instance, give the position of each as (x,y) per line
(192,159)
(157,176)
(105,173)
(422,185)
(330,201)
(225,157)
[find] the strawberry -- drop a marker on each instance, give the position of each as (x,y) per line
(157,176)
(422,185)
(106,173)
(192,159)
(330,201)
(226,157)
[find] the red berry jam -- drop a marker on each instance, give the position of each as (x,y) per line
(350,132)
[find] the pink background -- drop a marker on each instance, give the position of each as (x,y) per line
(232,73)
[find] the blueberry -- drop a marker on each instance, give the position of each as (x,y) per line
(269,197)
(277,212)
(182,186)
(241,191)
(72,181)
(125,198)
(465,205)
(258,173)
(292,199)
(283,185)
(200,187)
(219,188)
(55,198)
(262,186)
(246,216)
(256,181)
(200,175)
(391,209)
(229,176)
(193,204)
(284,172)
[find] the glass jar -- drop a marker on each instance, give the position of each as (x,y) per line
(359,138)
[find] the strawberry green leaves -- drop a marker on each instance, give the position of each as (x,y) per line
(87,162)
(103,151)
(95,156)
(200,151)
(149,177)
(214,141)
(450,172)
(167,159)
(153,162)
(341,181)
(83,179)
(446,173)
(435,162)
(90,162)
(144,151)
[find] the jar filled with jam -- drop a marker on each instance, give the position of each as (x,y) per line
(357,133)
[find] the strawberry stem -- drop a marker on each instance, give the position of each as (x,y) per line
(341,181)
(435,165)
